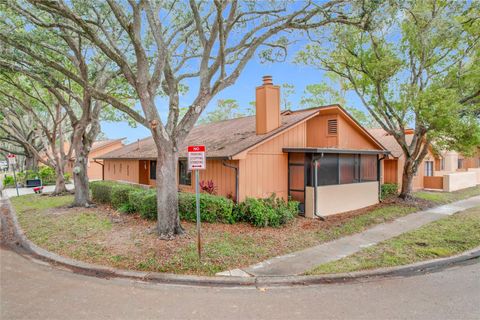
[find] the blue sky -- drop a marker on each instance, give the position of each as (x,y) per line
(243,91)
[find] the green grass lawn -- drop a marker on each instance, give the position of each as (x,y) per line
(102,235)
(446,197)
(446,237)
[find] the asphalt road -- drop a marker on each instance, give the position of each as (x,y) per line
(31,290)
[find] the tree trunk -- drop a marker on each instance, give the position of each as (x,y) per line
(168,221)
(80,176)
(407,179)
(31,162)
(60,186)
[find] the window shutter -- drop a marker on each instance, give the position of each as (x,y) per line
(332,126)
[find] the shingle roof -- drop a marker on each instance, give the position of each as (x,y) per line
(102,143)
(389,142)
(222,139)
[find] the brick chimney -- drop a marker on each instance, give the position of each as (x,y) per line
(267,104)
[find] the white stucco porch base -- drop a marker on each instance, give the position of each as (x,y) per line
(340,198)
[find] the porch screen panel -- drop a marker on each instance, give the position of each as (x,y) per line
(328,170)
(348,168)
(296,158)
(368,167)
(297,177)
(297,196)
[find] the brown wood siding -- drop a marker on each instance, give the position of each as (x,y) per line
(351,137)
(265,168)
(317,132)
(223,177)
(433,182)
(390,171)
(129,171)
(473,161)
(94,168)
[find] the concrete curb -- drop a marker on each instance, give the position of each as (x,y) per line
(228,281)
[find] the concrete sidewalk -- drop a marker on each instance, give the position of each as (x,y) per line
(299,262)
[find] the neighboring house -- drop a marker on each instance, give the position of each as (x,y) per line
(99,148)
(321,157)
(392,170)
(452,161)
(447,170)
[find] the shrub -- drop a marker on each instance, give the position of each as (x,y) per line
(102,191)
(67,176)
(120,196)
(21,177)
(148,205)
(208,187)
(271,211)
(8,181)
(135,199)
(212,208)
(389,190)
(31,174)
(47,174)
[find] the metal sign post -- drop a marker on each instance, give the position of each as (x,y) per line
(12,160)
(196,162)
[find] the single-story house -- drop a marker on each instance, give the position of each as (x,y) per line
(99,148)
(392,170)
(439,170)
(453,161)
(321,157)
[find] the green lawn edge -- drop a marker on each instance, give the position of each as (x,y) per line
(70,237)
(439,239)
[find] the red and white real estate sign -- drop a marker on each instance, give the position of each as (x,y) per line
(196,158)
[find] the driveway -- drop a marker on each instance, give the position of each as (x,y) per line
(33,290)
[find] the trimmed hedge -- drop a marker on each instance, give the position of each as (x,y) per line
(120,197)
(272,212)
(388,190)
(212,208)
(135,199)
(148,205)
(269,212)
(102,191)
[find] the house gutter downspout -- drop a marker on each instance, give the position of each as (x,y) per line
(379,172)
(315,175)
(103,168)
(237,197)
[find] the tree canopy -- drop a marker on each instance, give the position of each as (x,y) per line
(416,66)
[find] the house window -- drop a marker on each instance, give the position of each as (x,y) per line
(460,163)
(442,164)
(185,176)
(153,170)
(332,126)
(120,170)
(428,168)
(114,169)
